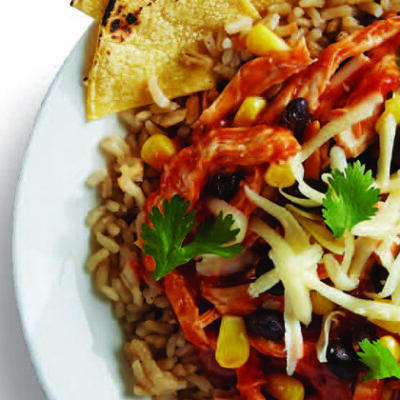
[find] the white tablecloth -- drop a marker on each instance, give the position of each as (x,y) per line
(35,38)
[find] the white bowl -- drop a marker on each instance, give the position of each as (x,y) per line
(74,341)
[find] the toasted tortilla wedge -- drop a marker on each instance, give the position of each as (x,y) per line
(93,8)
(139,39)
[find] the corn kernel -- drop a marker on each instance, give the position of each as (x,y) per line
(158,150)
(260,41)
(249,111)
(392,106)
(280,175)
(392,344)
(248,7)
(320,304)
(233,347)
(284,387)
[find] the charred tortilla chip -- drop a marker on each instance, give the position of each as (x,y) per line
(140,39)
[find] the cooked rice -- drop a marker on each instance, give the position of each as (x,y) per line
(242,24)
(153,129)
(163,362)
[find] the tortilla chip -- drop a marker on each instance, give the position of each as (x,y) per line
(141,39)
(93,8)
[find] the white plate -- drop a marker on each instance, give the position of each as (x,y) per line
(75,343)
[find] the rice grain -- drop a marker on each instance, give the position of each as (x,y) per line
(200,381)
(271,21)
(312,3)
(372,8)
(242,25)
(96,178)
(337,12)
(286,30)
(153,129)
(110,292)
(108,243)
(115,146)
(96,258)
(281,9)
(94,215)
(173,118)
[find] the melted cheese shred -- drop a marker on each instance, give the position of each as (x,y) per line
(354,114)
(337,272)
(384,222)
(387,133)
(323,341)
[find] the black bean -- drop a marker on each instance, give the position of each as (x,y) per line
(223,186)
(363,331)
(368,19)
(369,158)
(221,85)
(301,127)
(263,266)
(158,313)
(395,164)
(267,324)
(342,360)
(267,395)
(261,248)
(378,275)
(296,116)
(316,184)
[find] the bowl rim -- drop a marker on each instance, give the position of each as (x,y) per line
(17,202)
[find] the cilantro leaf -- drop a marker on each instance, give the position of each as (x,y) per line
(212,234)
(350,198)
(379,359)
(164,241)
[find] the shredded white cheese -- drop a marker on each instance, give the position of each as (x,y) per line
(338,158)
(322,235)
(306,214)
(351,116)
(323,341)
(393,280)
(384,222)
(366,308)
(306,190)
(308,203)
(387,133)
(338,272)
(264,283)
(364,247)
(293,339)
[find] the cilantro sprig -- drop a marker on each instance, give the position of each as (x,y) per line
(164,242)
(350,198)
(379,359)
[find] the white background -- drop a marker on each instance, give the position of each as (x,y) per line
(35,38)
